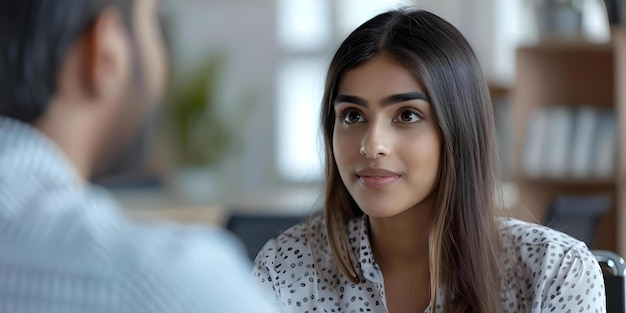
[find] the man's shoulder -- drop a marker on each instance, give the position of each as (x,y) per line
(89,224)
(204,265)
(170,244)
(185,269)
(191,268)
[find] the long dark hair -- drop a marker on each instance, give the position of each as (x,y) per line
(464,245)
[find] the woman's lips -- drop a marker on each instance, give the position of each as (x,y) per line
(377,178)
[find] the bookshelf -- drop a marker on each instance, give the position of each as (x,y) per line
(571,75)
(620,77)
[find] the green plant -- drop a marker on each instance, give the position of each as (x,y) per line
(200,134)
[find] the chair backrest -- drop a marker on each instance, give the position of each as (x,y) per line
(614,270)
(578,216)
(255,230)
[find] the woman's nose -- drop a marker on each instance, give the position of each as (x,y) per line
(374,145)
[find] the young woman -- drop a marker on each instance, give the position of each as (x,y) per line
(410,223)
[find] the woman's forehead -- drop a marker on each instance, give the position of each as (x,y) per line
(378,77)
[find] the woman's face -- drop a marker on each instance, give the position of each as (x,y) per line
(385,141)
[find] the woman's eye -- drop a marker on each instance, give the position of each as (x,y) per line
(408,116)
(353,116)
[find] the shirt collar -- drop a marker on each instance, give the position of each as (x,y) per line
(29,158)
(358,232)
(25,150)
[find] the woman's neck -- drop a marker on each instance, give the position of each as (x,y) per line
(402,240)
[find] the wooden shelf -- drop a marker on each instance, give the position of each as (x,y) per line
(619,42)
(572,74)
(498,91)
(574,182)
(561,46)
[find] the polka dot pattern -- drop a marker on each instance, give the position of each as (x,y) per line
(543,271)
(548,271)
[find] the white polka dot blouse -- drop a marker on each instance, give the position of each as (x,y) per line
(544,271)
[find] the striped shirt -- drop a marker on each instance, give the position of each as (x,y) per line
(66,247)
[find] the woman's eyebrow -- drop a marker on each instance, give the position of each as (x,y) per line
(403,97)
(393,99)
(351,99)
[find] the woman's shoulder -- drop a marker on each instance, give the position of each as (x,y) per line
(303,244)
(293,245)
(545,266)
(520,232)
(299,235)
(533,243)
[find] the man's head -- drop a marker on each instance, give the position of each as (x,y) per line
(85,72)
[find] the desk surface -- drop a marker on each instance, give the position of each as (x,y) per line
(161,204)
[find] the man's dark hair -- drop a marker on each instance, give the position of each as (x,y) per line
(35,36)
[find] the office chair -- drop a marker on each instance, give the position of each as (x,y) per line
(254,230)
(614,270)
(578,216)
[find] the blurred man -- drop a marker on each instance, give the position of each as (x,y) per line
(77,80)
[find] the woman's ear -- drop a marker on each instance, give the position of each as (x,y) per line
(106,60)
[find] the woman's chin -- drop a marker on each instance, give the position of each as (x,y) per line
(380,211)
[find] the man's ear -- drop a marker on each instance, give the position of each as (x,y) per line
(106,55)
